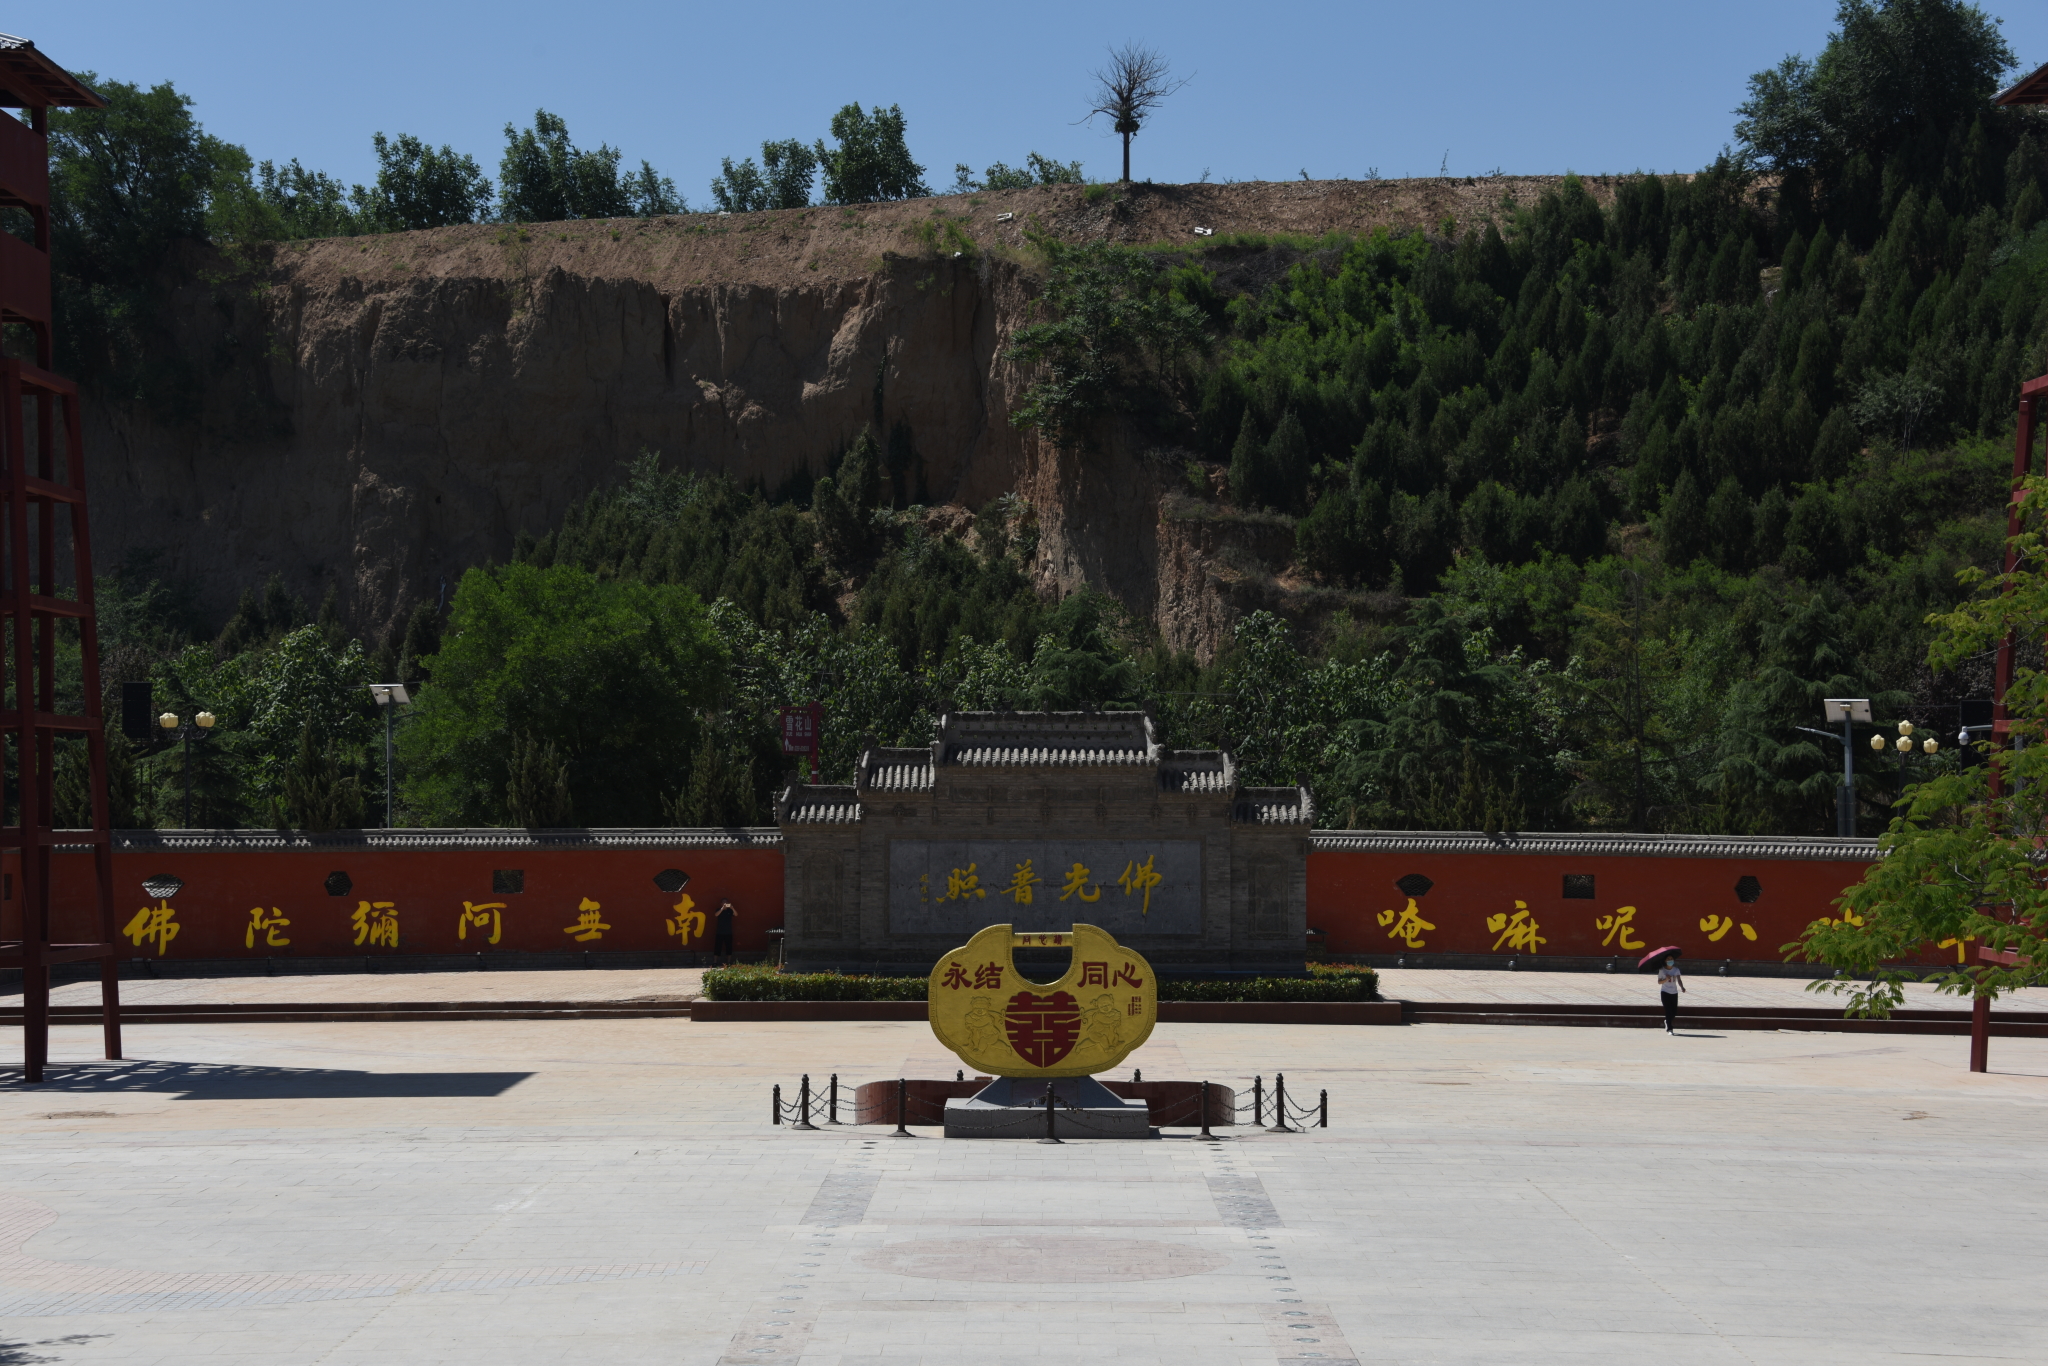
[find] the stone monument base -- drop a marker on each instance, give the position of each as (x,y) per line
(1014,1107)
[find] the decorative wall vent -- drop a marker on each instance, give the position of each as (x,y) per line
(337,884)
(163,888)
(507,881)
(671,880)
(1414,884)
(1578,886)
(1748,889)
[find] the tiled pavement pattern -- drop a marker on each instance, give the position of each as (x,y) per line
(608,1191)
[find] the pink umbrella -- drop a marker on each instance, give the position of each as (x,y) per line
(1655,956)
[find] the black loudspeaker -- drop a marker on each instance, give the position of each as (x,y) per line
(138,712)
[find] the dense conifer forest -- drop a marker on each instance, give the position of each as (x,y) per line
(1590,507)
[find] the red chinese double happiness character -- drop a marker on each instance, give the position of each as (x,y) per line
(1043,1029)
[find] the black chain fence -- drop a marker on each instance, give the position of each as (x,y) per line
(1270,1110)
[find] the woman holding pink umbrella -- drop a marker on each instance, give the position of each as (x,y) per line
(1670,981)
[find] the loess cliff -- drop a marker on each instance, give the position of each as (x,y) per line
(378,414)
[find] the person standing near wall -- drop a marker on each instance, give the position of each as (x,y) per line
(1670,981)
(721,931)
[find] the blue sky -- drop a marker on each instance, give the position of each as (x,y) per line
(1333,89)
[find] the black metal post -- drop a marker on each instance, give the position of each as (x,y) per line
(1280,1124)
(1050,1136)
(1205,1115)
(1258,1102)
(832,1101)
(902,1109)
(803,1106)
(1323,1109)
(778,1104)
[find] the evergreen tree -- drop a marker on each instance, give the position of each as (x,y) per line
(1251,481)
(1682,524)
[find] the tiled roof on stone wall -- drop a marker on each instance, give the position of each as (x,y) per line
(1078,739)
(895,770)
(266,840)
(1197,770)
(1274,806)
(821,805)
(989,756)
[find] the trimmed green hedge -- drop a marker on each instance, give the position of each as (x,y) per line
(757,984)
(765,984)
(1348,986)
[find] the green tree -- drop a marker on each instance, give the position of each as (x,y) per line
(739,188)
(419,186)
(545,178)
(319,790)
(1960,865)
(1036,170)
(128,184)
(611,673)
(782,180)
(872,161)
(1114,333)
(537,795)
(306,203)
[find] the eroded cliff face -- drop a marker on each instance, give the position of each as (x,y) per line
(380,414)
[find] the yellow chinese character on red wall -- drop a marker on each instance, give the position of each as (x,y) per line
(1618,929)
(587,926)
(376,924)
(1714,926)
(1408,927)
(156,924)
(485,915)
(1518,930)
(267,923)
(687,923)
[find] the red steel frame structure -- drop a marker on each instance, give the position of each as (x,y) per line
(2033,394)
(44,511)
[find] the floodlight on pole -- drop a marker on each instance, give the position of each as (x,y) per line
(389,697)
(202,725)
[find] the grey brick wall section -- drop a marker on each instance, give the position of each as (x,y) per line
(1046,777)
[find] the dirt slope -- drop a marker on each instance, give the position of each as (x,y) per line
(383,412)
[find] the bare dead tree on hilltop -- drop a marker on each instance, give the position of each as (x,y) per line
(1129,88)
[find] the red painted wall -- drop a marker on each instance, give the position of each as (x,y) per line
(1477,898)
(1471,908)
(440,900)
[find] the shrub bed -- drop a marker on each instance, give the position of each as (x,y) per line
(765,984)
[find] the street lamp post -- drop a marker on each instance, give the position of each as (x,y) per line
(1848,711)
(1904,745)
(201,727)
(390,697)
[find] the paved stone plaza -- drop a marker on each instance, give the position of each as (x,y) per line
(610,1191)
